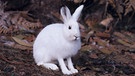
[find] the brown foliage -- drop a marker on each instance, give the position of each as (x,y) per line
(13,21)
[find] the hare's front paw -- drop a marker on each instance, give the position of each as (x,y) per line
(67,72)
(74,70)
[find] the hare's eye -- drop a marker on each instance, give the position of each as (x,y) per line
(69,27)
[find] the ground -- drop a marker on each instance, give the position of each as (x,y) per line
(21,63)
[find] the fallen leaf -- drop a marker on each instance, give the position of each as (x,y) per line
(118,34)
(29,38)
(133,46)
(92,24)
(79,1)
(21,42)
(123,42)
(132,3)
(17,46)
(112,48)
(86,48)
(105,50)
(93,55)
(100,41)
(106,22)
(88,36)
(133,56)
(123,37)
(102,34)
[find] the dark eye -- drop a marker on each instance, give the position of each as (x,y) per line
(69,27)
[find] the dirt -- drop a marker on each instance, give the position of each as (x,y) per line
(21,63)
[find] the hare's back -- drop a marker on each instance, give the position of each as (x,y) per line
(52,30)
(51,34)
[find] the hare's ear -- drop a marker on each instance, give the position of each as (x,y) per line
(77,12)
(65,13)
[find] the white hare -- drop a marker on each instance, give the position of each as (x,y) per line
(59,42)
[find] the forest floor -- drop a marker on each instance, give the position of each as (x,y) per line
(102,53)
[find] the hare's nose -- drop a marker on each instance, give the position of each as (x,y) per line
(76,37)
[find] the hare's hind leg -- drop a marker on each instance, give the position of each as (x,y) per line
(42,59)
(51,66)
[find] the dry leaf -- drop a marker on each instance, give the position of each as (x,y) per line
(120,9)
(29,38)
(112,48)
(11,22)
(105,50)
(22,42)
(133,46)
(112,2)
(124,38)
(127,10)
(86,48)
(100,42)
(129,34)
(102,34)
(132,3)
(93,55)
(79,1)
(119,34)
(93,24)
(123,42)
(17,46)
(88,36)
(133,56)
(106,22)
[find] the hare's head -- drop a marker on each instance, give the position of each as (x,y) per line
(71,27)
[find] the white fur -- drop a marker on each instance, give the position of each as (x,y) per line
(58,42)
